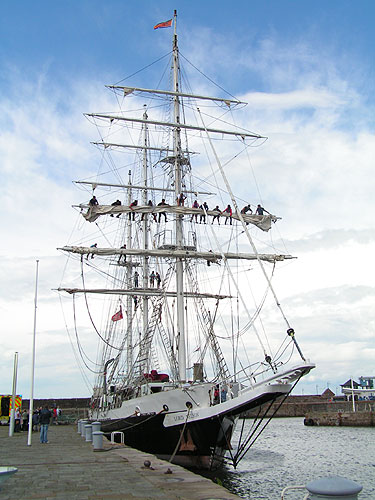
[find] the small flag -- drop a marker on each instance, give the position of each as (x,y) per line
(166,24)
(118,315)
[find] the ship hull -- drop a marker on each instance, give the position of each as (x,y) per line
(183,426)
(200,444)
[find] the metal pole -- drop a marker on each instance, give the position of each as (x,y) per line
(353,402)
(31,405)
(11,420)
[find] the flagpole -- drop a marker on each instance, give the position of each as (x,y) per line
(31,404)
(14,390)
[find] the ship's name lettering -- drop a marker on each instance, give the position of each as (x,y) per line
(179,418)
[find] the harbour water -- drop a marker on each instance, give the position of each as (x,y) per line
(288,453)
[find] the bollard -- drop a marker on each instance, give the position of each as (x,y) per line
(79,426)
(333,488)
(96,426)
(83,423)
(97,440)
(88,432)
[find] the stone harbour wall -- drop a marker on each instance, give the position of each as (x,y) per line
(74,407)
(300,406)
(357,419)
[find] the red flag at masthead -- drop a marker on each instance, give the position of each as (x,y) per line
(165,24)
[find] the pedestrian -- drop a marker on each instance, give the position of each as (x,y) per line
(158,279)
(228,211)
(17,420)
(54,415)
(152,278)
(25,416)
(163,204)
(44,421)
(260,210)
(136,278)
(131,206)
(93,202)
(95,245)
(195,205)
(35,420)
(202,218)
(216,209)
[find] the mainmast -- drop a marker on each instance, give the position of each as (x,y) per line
(181,342)
(145,225)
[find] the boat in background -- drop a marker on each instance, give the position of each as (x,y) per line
(179,313)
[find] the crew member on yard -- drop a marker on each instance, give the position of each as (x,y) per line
(131,206)
(202,217)
(195,205)
(260,210)
(216,209)
(163,204)
(93,202)
(228,211)
(116,203)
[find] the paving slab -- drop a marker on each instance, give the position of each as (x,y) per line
(68,468)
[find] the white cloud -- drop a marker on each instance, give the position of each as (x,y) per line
(315,171)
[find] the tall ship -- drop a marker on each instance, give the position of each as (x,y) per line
(173,277)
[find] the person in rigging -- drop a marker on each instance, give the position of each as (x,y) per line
(163,204)
(92,255)
(131,206)
(93,202)
(136,279)
(228,211)
(122,256)
(260,210)
(149,204)
(116,204)
(158,279)
(195,205)
(152,278)
(181,200)
(202,217)
(216,209)
(246,209)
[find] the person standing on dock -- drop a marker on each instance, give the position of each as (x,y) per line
(44,420)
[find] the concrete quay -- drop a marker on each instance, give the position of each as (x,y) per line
(67,468)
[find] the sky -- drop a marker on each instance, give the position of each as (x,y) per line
(307,71)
